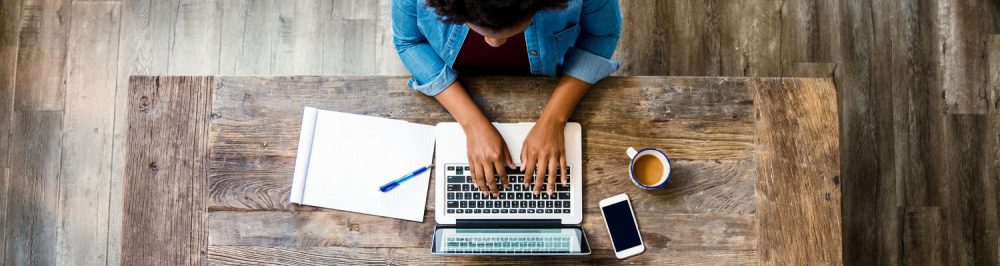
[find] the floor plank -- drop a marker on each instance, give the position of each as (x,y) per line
(87,135)
(969,213)
(10,18)
(196,39)
(967,25)
(299,46)
(41,79)
(34,189)
(249,30)
(168,168)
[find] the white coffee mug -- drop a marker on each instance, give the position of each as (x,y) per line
(664,160)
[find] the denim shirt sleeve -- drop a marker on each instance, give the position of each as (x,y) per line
(601,26)
(430,74)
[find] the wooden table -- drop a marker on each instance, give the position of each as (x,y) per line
(756,174)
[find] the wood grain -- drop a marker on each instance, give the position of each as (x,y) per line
(345,229)
(993,82)
(196,41)
(143,49)
(253,150)
(166,178)
(41,55)
(798,172)
(969,216)
(299,44)
(34,180)
(248,32)
(963,57)
(87,135)
(10,18)
(243,255)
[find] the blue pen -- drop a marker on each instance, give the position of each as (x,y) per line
(394,183)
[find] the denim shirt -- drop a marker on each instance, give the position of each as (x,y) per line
(577,41)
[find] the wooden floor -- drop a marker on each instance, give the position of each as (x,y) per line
(918,84)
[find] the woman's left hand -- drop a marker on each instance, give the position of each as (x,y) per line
(544,152)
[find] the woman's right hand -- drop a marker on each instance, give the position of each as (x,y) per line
(488,155)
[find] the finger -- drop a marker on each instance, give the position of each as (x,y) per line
(553,166)
(529,171)
(565,173)
(491,180)
(483,185)
(472,170)
(502,174)
(509,161)
(540,177)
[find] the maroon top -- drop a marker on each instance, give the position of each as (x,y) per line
(478,57)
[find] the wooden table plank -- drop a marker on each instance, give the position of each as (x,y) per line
(166,180)
(255,255)
(345,229)
(798,182)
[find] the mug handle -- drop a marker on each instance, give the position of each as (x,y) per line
(631,152)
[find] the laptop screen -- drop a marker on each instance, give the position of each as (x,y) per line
(511,241)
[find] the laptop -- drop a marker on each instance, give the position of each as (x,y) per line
(517,223)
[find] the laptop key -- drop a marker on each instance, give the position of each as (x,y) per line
(464,204)
(480,204)
(558,210)
(456,179)
(506,204)
(531,204)
(565,210)
(548,210)
(466,187)
(452,204)
(548,204)
(459,171)
(503,195)
(454,187)
(489,204)
(459,211)
(564,195)
(451,168)
(477,211)
(531,210)
(459,195)
(495,211)
(522,211)
(451,210)
(451,195)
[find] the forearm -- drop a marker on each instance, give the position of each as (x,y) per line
(564,99)
(460,105)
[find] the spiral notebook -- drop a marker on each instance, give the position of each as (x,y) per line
(343,158)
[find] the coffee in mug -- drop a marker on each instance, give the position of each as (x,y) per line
(650,167)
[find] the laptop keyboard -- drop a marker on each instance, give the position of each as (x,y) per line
(495,244)
(463,197)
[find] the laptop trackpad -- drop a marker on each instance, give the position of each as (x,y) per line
(510,241)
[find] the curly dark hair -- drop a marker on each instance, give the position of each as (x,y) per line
(492,14)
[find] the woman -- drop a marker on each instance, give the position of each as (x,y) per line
(439,39)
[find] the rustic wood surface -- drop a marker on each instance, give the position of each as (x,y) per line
(165,212)
(901,69)
(712,211)
(798,172)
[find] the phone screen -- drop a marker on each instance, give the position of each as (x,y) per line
(624,233)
